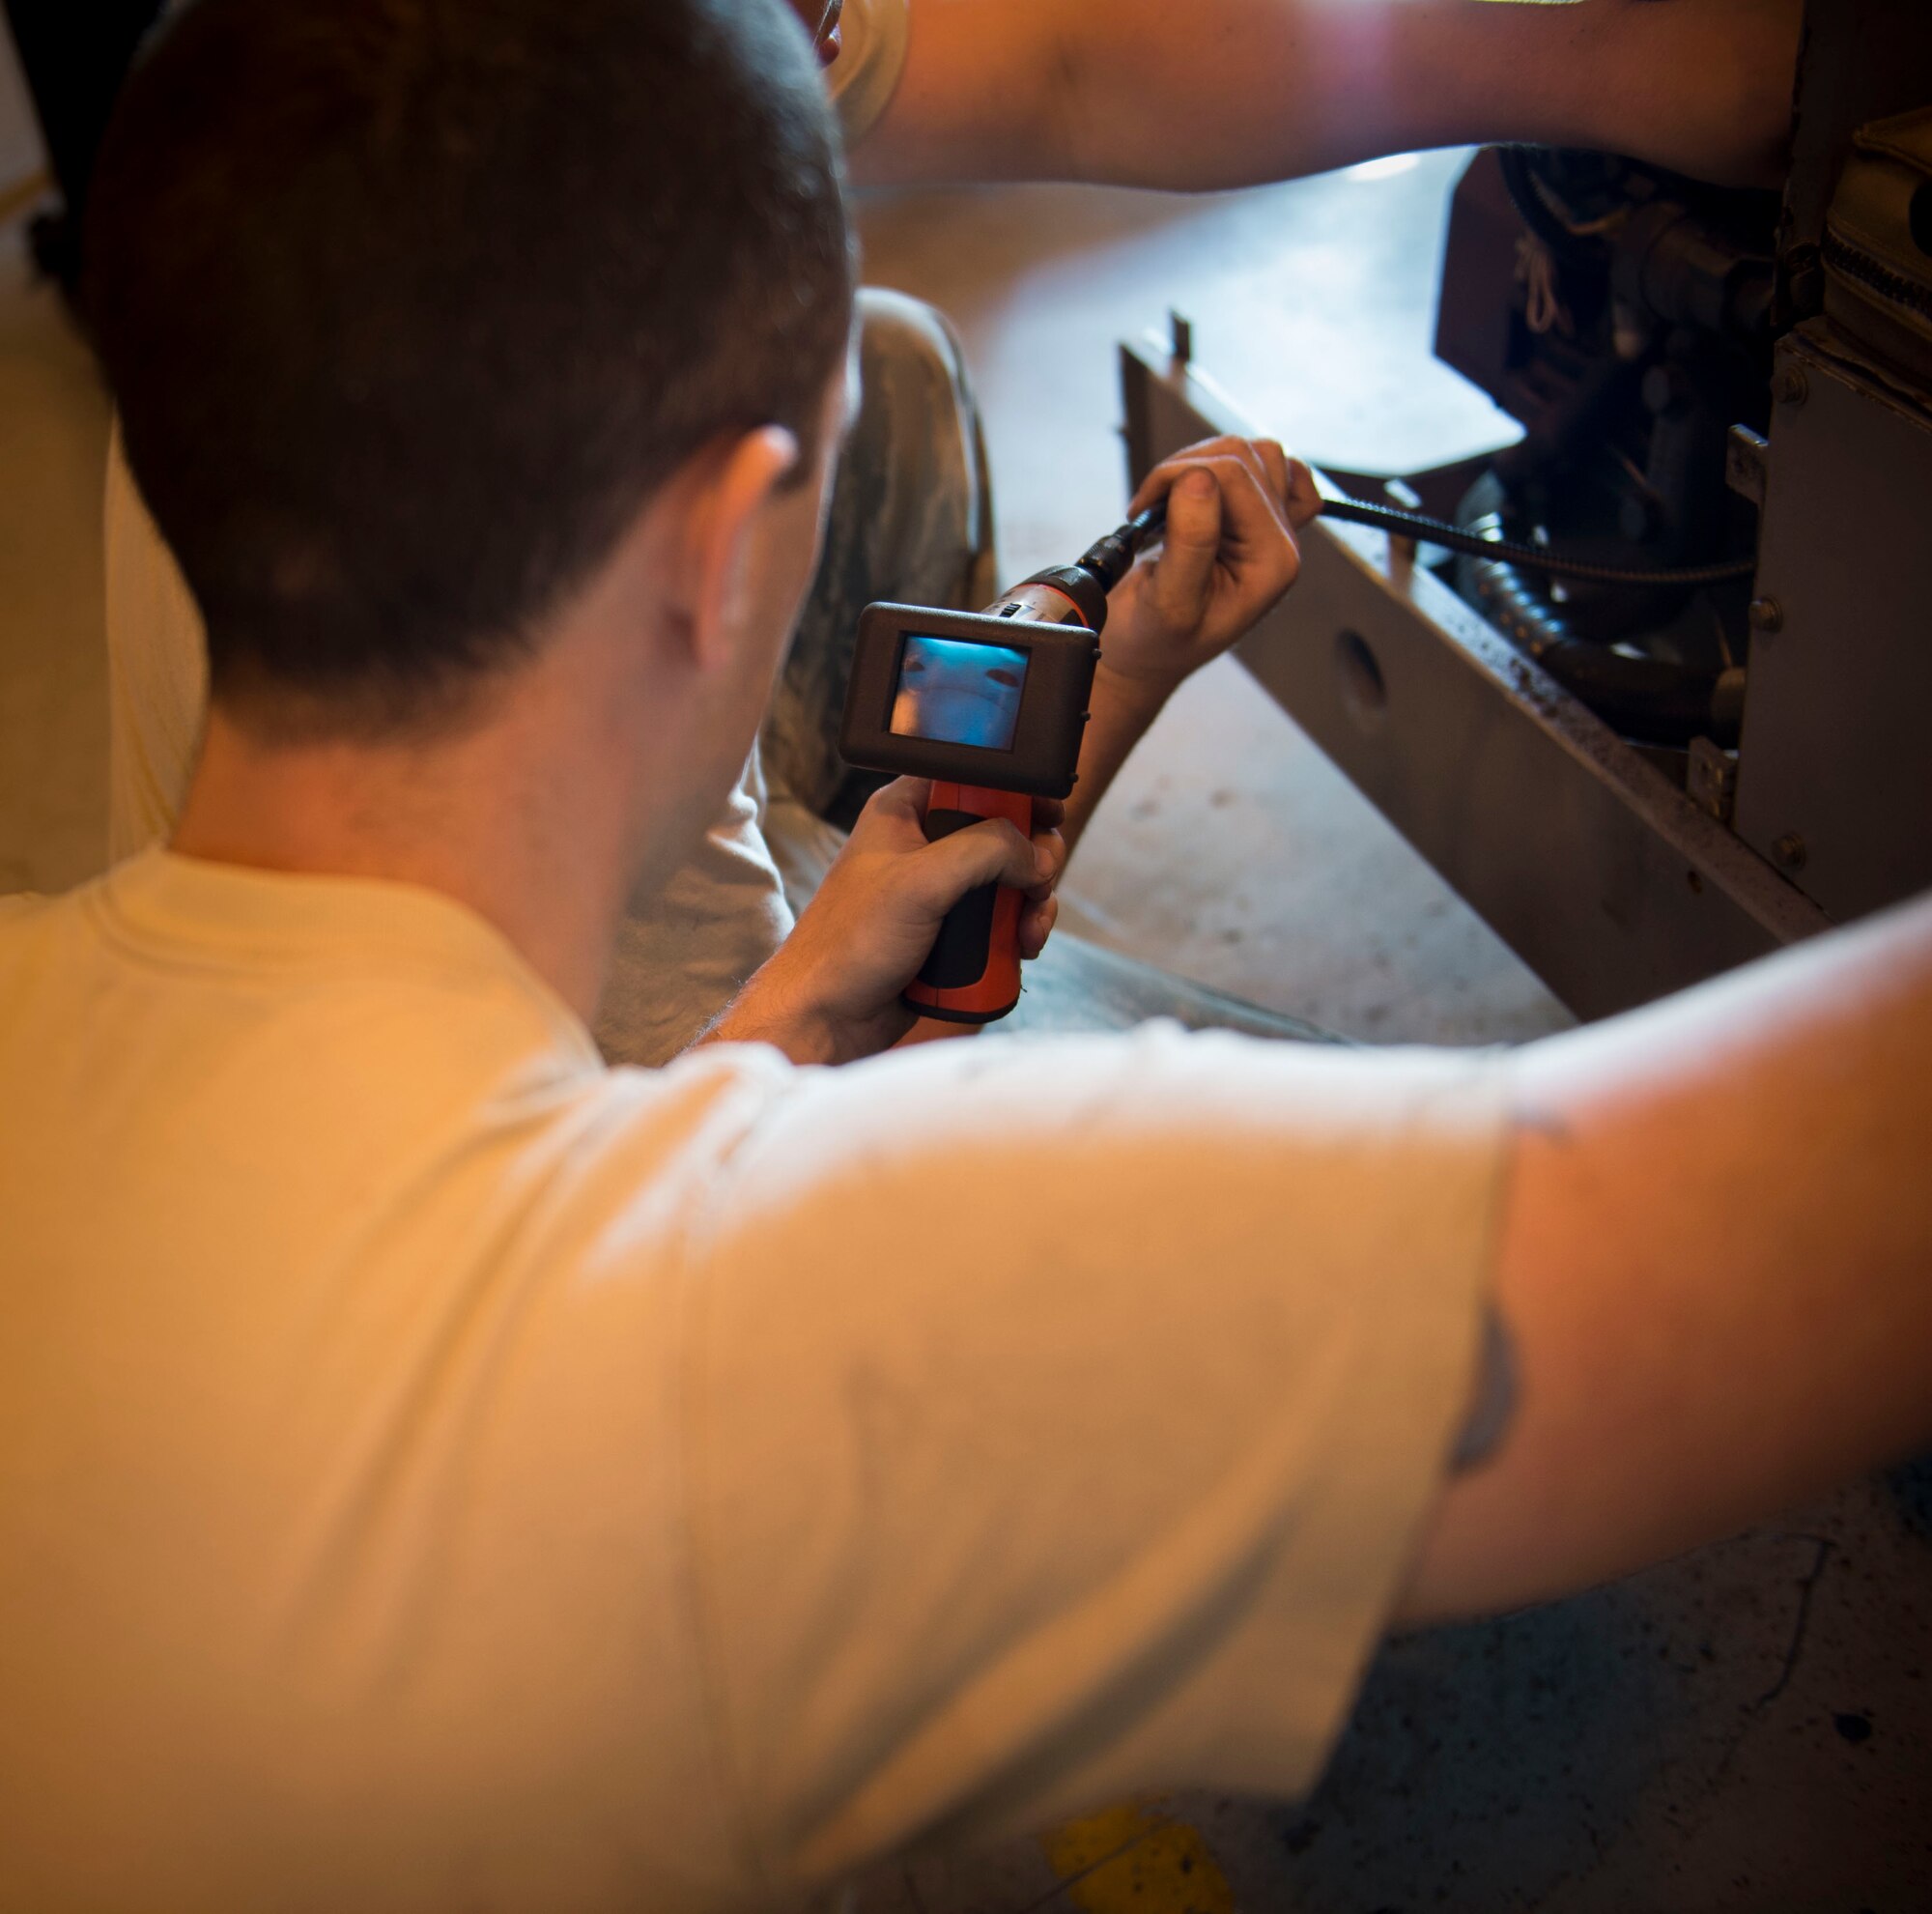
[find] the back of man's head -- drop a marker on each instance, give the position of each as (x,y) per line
(408,306)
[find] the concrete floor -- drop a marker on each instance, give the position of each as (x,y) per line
(1749,1728)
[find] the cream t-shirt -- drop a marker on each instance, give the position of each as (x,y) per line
(437,1470)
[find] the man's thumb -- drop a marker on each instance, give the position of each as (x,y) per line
(1185,573)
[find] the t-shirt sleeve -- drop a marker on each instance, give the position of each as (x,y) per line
(1059,1417)
(872,51)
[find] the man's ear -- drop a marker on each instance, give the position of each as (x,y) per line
(725,535)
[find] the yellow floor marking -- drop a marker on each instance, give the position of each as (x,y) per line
(1136,1860)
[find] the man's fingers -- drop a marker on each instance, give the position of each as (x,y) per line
(1163,479)
(1274,469)
(992,852)
(1252,542)
(1302,496)
(902,801)
(905,799)
(1036,921)
(1265,459)
(1184,575)
(1282,480)
(1051,848)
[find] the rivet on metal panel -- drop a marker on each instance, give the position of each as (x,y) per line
(1767,615)
(1793,389)
(1789,852)
(1711,779)
(1745,455)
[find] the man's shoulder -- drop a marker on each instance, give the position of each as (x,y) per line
(1139,1150)
(20,908)
(36,925)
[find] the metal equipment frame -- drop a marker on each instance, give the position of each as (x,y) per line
(1610,882)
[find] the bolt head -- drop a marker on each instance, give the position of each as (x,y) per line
(1793,387)
(1789,852)
(1767,615)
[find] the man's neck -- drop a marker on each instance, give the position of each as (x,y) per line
(584,771)
(532,838)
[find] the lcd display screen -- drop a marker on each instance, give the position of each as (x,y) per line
(956,692)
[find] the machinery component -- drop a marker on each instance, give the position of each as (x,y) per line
(1638,693)
(1602,874)
(1834,745)
(1637,335)
(1711,778)
(1489,544)
(991,706)
(1638,785)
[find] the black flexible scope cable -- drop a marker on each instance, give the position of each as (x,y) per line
(1118,548)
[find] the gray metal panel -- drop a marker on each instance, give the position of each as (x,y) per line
(1602,875)
(1835,767)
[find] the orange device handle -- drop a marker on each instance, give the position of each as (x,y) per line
(973,975)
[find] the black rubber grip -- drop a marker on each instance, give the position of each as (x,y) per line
(959,955)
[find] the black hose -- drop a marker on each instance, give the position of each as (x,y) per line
(1654,699)
(1435,532)
(1529,558)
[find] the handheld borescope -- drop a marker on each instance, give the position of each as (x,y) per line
(990,705)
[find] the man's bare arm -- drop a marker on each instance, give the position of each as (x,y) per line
(1203,93)
(1715,1266)
(1226,557)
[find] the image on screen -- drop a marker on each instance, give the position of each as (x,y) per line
(956,692)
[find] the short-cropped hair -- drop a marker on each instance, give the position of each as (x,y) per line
(410,306)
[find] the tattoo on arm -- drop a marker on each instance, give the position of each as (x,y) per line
(1492,1405)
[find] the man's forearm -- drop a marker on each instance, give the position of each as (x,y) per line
(1230,93)
(1716,1260)
(1122,709)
